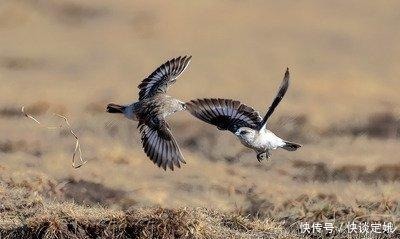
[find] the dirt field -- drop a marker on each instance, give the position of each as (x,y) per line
(74,57)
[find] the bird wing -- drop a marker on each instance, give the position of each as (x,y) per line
(279,96)
(226,114)
(150,111)
(160,145)
(164,76)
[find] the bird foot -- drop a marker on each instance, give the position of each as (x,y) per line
(263,155)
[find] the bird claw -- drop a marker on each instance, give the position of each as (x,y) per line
(262,156)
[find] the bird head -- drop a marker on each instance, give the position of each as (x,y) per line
(245,133)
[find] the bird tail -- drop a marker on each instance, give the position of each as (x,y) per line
(115,109)
(290,146)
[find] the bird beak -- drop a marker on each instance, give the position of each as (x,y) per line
(237,133)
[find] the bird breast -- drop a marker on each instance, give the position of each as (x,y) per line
(268,140)
(171,105)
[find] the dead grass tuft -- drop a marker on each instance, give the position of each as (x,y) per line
(69,12)
(321,208)
(320,172)
(96,107)
(10,146)
(380,125)
(36,108)
(16,63)
(26,213)
(91,193)
(383,125)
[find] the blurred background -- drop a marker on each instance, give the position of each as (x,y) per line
(74,57)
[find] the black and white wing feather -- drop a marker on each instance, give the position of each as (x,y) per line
(164,76)
(226,114)
(150,112)
(160,145)
(279,96)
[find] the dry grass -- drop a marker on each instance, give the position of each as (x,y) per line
(26,213)
(36,206)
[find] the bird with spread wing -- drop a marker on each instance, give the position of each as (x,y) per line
(153,106)
(244,121)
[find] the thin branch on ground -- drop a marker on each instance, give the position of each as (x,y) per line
(77,149)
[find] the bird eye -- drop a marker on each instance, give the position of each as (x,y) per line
(243,132)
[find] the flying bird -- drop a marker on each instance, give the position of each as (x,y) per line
(153,106)
(244,121)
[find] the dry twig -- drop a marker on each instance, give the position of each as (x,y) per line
(77,144)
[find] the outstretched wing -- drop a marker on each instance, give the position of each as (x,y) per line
(226,114)
(160,145)
(279,96)
(164,76)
